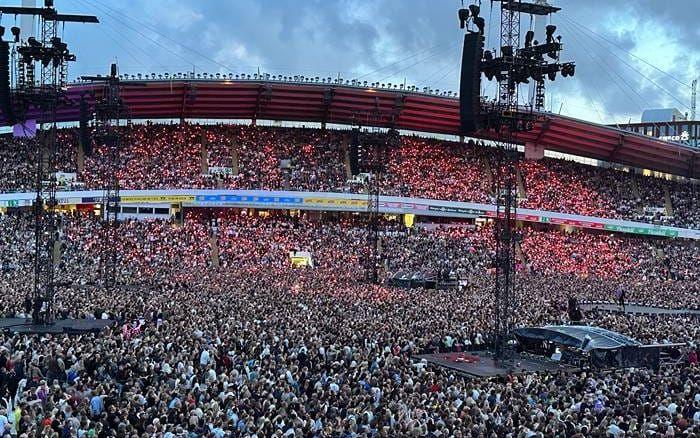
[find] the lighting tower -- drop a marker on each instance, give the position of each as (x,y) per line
(110,110)
(511,66)
(42,96)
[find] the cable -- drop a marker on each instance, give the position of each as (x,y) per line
(441,68)
(585,89)
(638,72)
(610,70)
(164,47)
(420,52)
(626,52)
(161,34)
(418,62)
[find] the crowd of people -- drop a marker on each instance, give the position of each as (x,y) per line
(217,334)
(171,156)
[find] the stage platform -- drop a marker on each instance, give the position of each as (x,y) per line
(481,364)
(60,326)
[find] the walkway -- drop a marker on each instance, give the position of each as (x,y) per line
(636,308)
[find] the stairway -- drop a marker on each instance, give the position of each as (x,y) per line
(488,172)
(346,157)
(214,244)
(234,157)
(521,184)
(80,158)
(204,156)
(520,255)
(668,203)
(635,188)
(637,194)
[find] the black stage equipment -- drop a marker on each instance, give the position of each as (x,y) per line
(506,119)
(470,83)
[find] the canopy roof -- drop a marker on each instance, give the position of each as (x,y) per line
(355,105)
(595,338)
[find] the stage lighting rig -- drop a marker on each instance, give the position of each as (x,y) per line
(41,97)
(517,65)
(471,14)
(504,120)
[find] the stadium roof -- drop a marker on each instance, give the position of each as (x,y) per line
(344,104)
(595,338)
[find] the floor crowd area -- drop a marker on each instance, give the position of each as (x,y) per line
(252,346)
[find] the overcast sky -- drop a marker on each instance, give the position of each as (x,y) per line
(617,45)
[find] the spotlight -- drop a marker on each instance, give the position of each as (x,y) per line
(529,36)
(15,32)
(507,51)
(474,9)
(568,69)
(550,29)
(552,75)
(463,17)
(488,56)
(480,24)
(33,42)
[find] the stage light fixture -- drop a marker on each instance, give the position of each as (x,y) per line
(507,51)
(529,36)
(568,69)
(463,15)
(552,75)
(475,10)
(550,29)
(33,42)
(488,55)
(480,24)
(15,32)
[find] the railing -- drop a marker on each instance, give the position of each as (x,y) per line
(295,79)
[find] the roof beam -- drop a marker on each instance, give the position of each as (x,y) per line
(618,146)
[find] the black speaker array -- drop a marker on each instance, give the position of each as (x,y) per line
(355,152)
(470,83)
(85,129)
(5,100)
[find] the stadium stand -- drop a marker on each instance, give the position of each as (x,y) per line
(169,156)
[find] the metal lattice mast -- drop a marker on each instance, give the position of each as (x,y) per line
(110,110)
(506,200)
(510,37)
(43,96)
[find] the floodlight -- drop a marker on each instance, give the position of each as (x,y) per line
(550,29)
(474,9)
(480,24)
(529,36)
(463,17)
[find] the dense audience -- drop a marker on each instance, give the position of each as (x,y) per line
(244,344)
(163,156)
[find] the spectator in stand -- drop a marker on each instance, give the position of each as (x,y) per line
(171,156)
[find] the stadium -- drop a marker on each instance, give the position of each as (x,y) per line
(190,254)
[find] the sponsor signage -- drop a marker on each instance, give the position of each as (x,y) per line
(156,199)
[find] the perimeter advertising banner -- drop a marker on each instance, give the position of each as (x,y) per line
(350,202)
